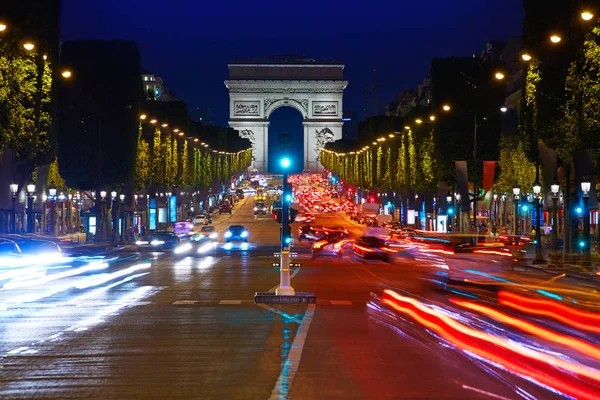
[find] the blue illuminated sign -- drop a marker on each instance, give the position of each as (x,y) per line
(152,216)
(172,209)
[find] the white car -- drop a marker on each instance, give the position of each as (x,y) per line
(201,220)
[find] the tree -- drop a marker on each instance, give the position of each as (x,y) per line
(185,168)
(515,166)
(142,165)
(54,178)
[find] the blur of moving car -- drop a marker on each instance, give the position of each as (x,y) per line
(240,193)
(225,208)
(201,219)
(260,207)
(334,195)
(209,232)
(372,247)
(331,245)
(158,241)
(236,233)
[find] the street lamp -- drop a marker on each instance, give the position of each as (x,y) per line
(585,188)
(554,188)
(28,46)
(418,121)
(526,57)
(30,195)
(496,221)
(555,39)
(504,109)
(446,107)
(539,258)
(449,199)
(499,75)
(66,74)
(13,190)
(586,15)
(516,198)
(2,27)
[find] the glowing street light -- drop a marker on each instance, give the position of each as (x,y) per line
(419,121)
(143,116)
(585,15)
(555,39)
(499,75)
(504,109)
(407,127)
(164,125)
(2,26)
(432,117)
(446,107)
(526,57)
(66,74)
(28,46)
(153,121)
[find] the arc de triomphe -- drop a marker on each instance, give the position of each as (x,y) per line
(315,88)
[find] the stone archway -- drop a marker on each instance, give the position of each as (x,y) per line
(314,88)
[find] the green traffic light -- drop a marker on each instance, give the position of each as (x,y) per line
(286,162)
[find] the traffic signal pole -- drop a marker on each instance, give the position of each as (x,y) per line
(285,288)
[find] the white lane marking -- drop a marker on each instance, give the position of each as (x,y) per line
(493,395)
(366,270)
(230,302)
(340,302)
(284,383)
(183,302)
(283,314)
(274,288)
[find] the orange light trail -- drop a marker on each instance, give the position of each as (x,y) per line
(578,345)
(498,253)
(580,319)
(529,363)
(364,248)
(440,251)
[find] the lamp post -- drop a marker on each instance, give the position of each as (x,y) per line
(496,209)
(585,188)
(100,218)
(503,199)
(114,211)
(52,197)
(516,198)
(30,214)
(13,191)
(449,199)
(61,198)
(458,211)
(539,258)
(554,188)
(285,288)
(123,222)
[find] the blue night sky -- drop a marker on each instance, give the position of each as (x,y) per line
(189,42)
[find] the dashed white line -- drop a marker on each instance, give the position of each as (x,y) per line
(230,302)
(340,302)
(185,302)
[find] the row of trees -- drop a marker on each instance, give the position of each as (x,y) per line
(166,161)
(404,160)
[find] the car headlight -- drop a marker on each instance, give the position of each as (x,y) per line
(244,234)
(213,235)
(140,242)
(227,234)
(157,242)
(183,248)
(255,208)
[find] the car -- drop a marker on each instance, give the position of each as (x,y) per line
(236,233)
(158,241)
(332,245)
(209,232)
(225,208)
(260,208)
(201,219)
(371,247)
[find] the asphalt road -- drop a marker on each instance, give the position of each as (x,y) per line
(163,326)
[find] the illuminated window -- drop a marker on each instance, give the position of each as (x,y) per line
(145,78)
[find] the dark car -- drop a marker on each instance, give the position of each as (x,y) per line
(236,233)
(225,208)
(372,247)
(158,241)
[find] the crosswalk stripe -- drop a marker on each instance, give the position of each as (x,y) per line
(230,302)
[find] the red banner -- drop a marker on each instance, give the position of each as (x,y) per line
(489,170)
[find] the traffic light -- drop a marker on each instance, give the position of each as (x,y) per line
(277,215)
(450,210)
(293,213)
(287,197)
(286,235)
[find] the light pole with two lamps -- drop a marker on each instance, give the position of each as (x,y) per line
(537,188)
(585,188)
(516,199)
(554,188)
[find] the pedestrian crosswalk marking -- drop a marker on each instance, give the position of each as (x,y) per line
(185,302)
